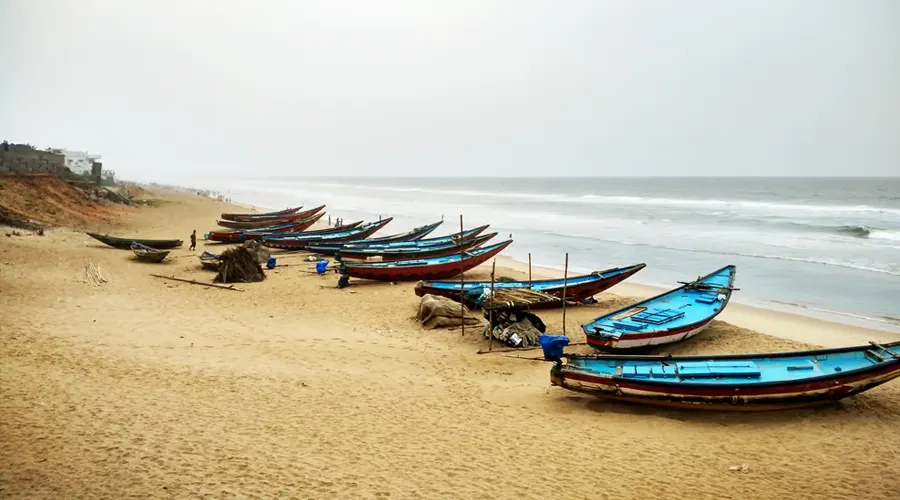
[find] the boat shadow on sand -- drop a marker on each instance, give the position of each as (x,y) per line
(862,408)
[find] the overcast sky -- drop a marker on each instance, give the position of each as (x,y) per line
(175,90)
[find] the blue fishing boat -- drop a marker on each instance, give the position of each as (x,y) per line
(670,317)
(410,237)
(740,382)
(300,241)
(378,243)
(412,253)
(578,288)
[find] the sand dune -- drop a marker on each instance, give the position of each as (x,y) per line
(152,389)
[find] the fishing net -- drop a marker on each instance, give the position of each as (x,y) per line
(242,264)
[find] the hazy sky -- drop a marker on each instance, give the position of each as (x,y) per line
(175,90)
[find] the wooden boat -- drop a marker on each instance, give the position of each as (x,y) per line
(257,217)
(422,269)
(147,254)
(409,237)
(407,253)
(331,249)
(125,243)
(741,382)
(210,261)
(672,316)
(256,234)
(578,288)
(270,222)
(300,241)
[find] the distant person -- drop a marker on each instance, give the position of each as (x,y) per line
(329,220)
(193,240)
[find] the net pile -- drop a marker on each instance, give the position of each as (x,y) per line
(242,264)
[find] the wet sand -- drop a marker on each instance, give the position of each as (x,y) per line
(147,388)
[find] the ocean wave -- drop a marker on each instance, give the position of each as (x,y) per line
(884,234)
(893,271)
(740,204)
(601,199)
(867,232)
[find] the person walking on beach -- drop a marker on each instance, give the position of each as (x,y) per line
(194,240)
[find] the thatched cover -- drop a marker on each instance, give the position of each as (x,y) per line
(517,298)
(242,264)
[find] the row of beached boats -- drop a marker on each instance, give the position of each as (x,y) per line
(730,382)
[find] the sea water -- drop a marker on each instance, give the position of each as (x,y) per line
(826,245)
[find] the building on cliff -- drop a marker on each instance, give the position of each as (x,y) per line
(79,162)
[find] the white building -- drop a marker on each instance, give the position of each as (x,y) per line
(79,162)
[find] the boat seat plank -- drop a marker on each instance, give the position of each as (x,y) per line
(713,369)
(631,327)
(869,353)
(657,316)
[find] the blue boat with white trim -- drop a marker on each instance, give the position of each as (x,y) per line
(672,316)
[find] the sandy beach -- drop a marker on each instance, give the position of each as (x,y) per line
(145,388)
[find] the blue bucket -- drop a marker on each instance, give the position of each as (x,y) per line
(553,346)
(270,263)
(321,266)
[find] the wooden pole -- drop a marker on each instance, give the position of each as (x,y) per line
(529,269)
(491,320)
(565,284)
(462,284)
(214,285)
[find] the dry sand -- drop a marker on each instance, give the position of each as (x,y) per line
(144,388)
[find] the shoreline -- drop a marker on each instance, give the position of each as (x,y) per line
(882,330)
(633,287)
(786,325)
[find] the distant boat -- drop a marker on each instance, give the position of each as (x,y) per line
(210,261)
(578,288)
(251,217)
(422,269)
(268,222)
(672,316)
(125,243)
(742,382)
(256,234)
(147,254)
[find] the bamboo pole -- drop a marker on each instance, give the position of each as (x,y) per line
(214,285)
(529,269)
(565,284)
(529,359)
(462,284)
(491,320)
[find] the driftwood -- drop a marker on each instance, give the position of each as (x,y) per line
(92,274)
(202,283)
(14,219)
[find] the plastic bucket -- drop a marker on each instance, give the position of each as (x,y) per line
(321,266)
(270,263)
